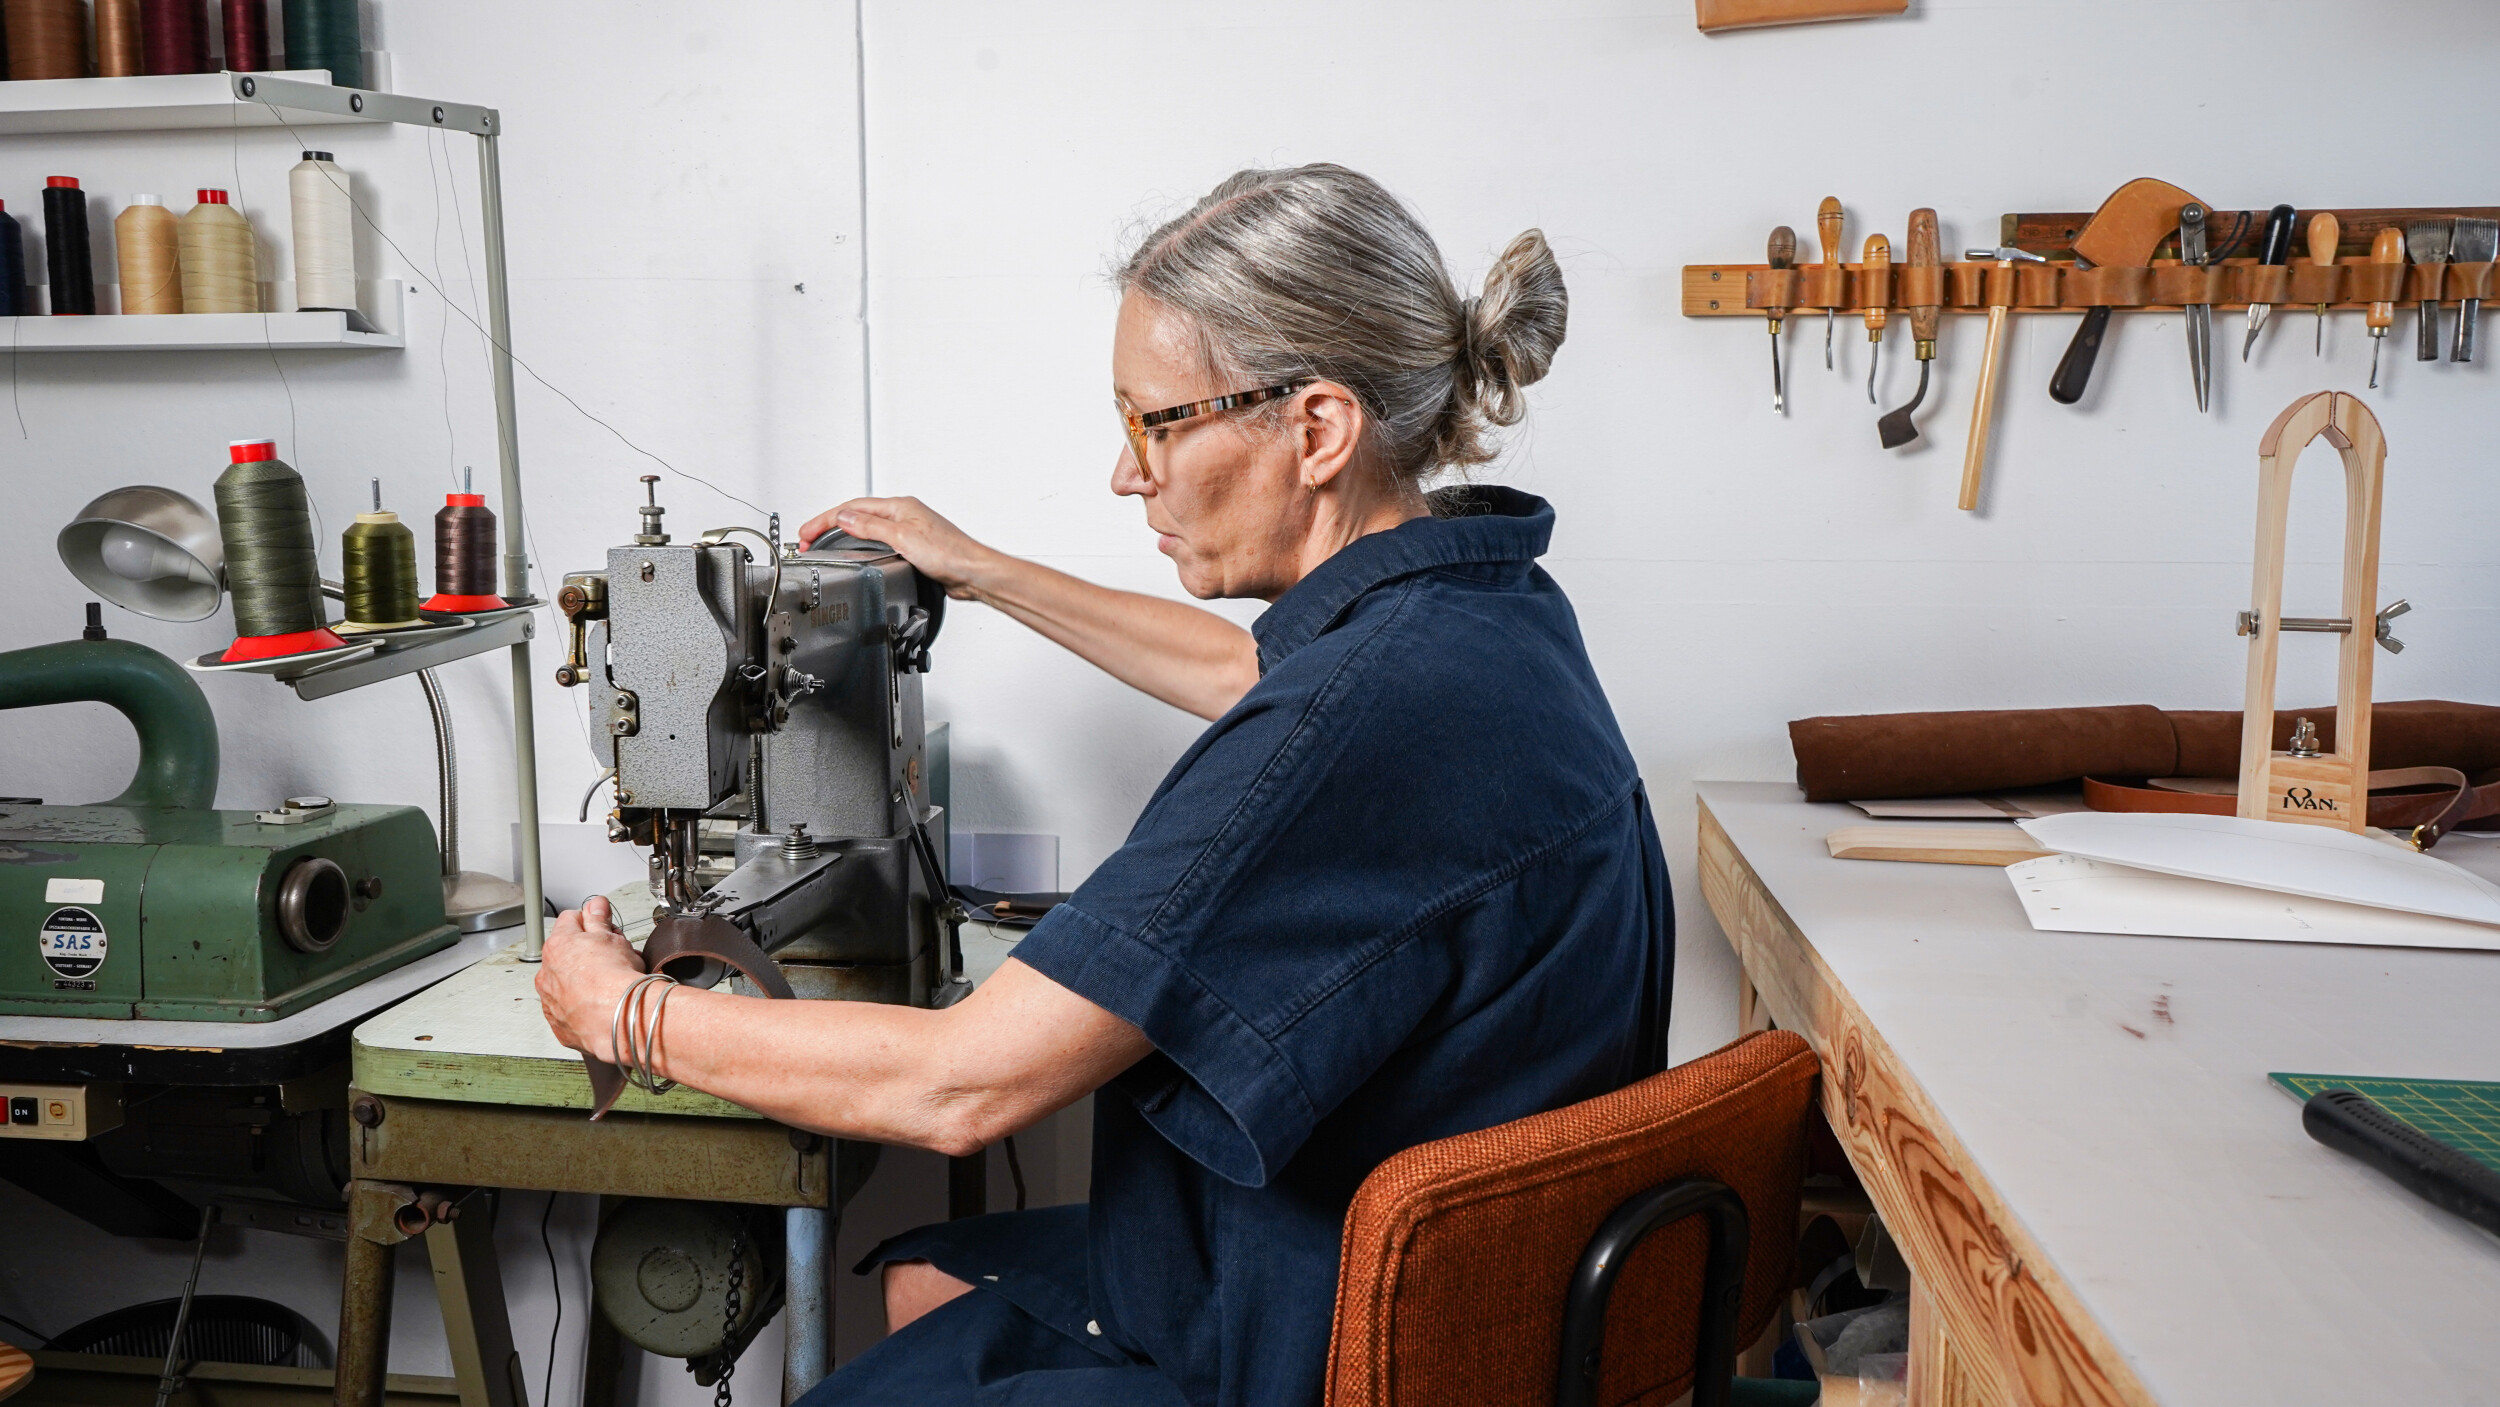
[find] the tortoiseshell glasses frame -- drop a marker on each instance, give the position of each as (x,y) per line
(1137,423)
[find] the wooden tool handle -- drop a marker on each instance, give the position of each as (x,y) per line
(1982,412)
(1827,223)
(1878,262)
(2325,232)
(2388,248)
(1924,320)
(1782,249)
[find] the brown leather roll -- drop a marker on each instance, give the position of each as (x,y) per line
(1969,283)
(1944,754)
(2374,283)
(1921,285)
(1771,288)
(1822,286)
(680,945)
(2316,283)
(2426,281)
(2470,281)
(2181,284)
(2113,287)
(2035,285)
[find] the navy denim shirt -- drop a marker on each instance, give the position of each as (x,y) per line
(1408,887)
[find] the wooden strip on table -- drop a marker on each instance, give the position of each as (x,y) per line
(2015,1331)
(1924,842)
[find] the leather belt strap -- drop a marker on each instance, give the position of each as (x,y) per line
(2425,816)
(688,944)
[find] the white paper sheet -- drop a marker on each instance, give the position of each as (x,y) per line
(2070,894)
(2313,861)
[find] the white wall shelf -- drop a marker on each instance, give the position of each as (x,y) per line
(43,106)
(380,325)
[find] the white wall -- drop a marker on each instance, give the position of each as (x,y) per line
(673,172)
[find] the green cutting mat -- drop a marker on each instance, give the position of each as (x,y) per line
(2464,1114)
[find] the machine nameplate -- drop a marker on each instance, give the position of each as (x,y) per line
(61,889)
(73,946)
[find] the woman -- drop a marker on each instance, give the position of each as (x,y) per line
(1406,886)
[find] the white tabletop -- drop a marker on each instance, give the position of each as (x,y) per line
(2114,1091)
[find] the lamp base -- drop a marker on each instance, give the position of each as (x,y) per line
(474,902)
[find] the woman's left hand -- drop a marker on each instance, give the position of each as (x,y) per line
(582,974)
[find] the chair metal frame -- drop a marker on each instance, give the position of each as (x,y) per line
(1722,1287)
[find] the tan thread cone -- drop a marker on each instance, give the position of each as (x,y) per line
(149,240)
(220,267)
(46,38)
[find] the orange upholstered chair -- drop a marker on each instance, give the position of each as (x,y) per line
(1519,1266)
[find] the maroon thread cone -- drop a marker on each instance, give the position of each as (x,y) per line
(247,36)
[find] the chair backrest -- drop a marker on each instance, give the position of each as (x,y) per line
(1458,1253)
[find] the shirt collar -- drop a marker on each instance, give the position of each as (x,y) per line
(1471,525)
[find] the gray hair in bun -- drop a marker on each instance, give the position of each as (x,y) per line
(1318,272)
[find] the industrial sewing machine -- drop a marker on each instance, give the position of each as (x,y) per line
(763,714)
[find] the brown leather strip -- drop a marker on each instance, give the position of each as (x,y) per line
(1822,286)
(684,943)
(1771,288)
(2260,283)
(2113,287)
(2181,284)
(1870,288)
(2000,287)
(2316,283)
(2425,815)
(1921,285)
(1970,283)
(2470,281)
(2425,281)
(2036,285)
(2374,283)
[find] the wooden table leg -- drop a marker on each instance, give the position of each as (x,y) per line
(364,1344)
(469,1285)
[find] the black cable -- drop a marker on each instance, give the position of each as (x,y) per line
(555,1282)
(28,1330)
(1015,1169)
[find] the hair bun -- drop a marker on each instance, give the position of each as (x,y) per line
(1512,330)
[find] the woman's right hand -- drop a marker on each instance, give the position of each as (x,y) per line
(935,547)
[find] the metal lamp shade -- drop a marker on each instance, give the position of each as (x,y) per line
(149,550)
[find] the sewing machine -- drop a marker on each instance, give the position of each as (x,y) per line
(763,715)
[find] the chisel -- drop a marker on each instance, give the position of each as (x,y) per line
(2388,248)
(2200,316)
(2477,242)
(2325,232)
(1896,428)
(1878,283)
(2428,242)
(2274,246)
(1783,255)
(1827,222)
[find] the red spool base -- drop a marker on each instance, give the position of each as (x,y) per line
(269,647)
(457,605)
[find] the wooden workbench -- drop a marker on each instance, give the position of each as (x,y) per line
(2073,1139)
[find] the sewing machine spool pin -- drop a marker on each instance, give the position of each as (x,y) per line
(2306,784)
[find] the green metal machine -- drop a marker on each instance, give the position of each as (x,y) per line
(154,905)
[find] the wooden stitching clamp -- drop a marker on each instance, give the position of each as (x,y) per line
(2307,784)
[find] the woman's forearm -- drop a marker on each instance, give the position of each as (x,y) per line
(1190,658)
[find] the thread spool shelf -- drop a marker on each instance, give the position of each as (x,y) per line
(380,324)
(161,102)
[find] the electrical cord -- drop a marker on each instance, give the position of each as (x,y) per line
(1015,1169)
(40,1339)
(555,1282)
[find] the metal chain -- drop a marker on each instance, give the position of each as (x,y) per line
(729,1316)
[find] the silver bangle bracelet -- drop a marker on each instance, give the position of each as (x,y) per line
(634,1038)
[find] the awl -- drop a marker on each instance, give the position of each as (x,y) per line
(2200,316)
(1896,428)
(2428,242)
(1827,224)
(1783,255)
(1877,281)
(2477,242)
(2388,248)
(2274,246)
(2324,233)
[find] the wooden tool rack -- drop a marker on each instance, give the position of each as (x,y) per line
(2233,280)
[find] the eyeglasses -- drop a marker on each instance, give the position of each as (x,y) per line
(1137,424)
